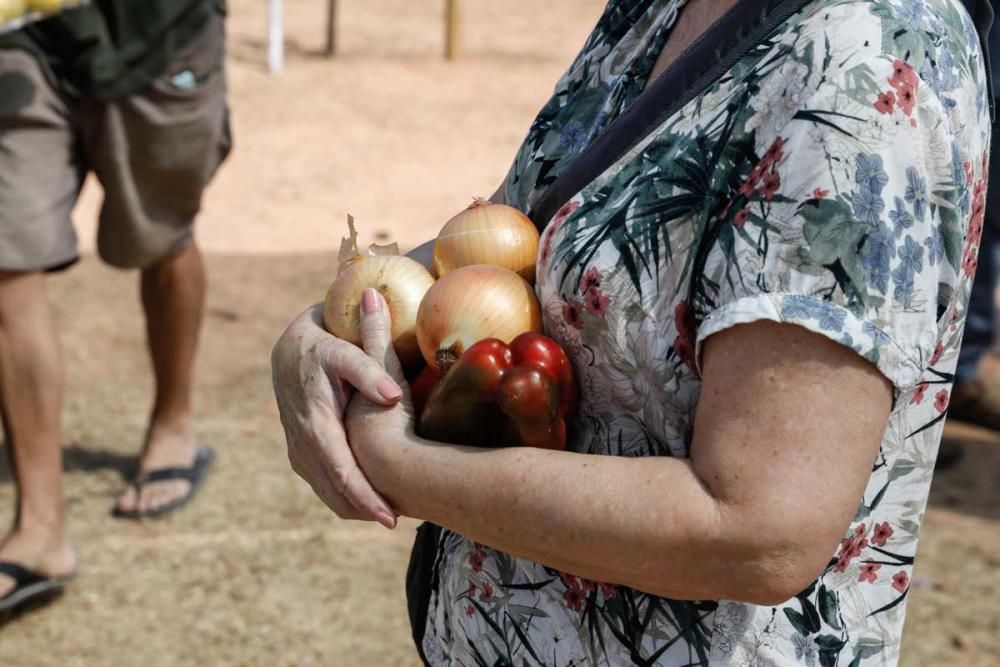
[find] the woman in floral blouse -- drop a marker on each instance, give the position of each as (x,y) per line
(763,300)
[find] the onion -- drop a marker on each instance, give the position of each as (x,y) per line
(487,233)
(401,281)
(472,303)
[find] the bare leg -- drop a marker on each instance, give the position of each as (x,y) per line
(31,384)
(173,296)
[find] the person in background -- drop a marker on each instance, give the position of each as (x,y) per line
(134,92)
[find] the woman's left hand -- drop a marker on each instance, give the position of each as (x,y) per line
(374,430)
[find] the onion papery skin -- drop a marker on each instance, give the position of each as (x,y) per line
(487,233)
(470,304)
(401,281)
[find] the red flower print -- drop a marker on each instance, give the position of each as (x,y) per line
(941,400)
(470,610)
(913,123)
(741,218)
(476,561)
(938,350)
(472,589)
(774,153)
(903,75)
(900,580)
(881,533)
(487,590)
(596,303)
(684,343)
(569,581)
(868,571)
(564,212)
(609,590)
(969,263)
(918,393)
(907,99)
(886,102)
(820,193)
(547,249)
(588,585)
(590,280)
(772,181)
(850,548)
(477,558)
(573,313)
(748,187)
(574,598)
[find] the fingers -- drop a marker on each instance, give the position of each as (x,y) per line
(352,365)
(376,333)
(340,472)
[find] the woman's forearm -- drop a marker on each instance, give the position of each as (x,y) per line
(645,523)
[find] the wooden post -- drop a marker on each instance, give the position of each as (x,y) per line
(275,37)
(452,18)
(331,28)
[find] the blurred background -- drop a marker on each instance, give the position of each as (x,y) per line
(258,572)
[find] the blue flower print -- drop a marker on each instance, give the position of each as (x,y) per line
(900,217)
(806,649)
(800,307)
(868,206)
(935,247)
(903,278)
(797,307)
(876,254)
(912,13)
(916,192)
(957,166)
(870,173)
(831,318)
(911,256)
(573,136)
(879,337)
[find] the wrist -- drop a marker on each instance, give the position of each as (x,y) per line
(393,465)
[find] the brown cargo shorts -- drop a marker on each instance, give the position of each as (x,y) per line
(154,153)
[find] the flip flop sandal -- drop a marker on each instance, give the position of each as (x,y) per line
(194,475)
(29,586)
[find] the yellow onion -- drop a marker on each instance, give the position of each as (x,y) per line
(472,303)
(12,9)
(401,281)
(487,233)
(46,6)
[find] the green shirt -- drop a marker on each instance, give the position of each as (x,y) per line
(112,48)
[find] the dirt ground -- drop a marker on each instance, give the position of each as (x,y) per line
(257,572)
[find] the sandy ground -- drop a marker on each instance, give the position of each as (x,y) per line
(258,572)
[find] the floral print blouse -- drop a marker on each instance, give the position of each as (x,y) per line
(833,178)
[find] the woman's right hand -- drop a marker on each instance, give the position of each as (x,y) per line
(314,375)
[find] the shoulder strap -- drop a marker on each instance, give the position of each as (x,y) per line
(744,26)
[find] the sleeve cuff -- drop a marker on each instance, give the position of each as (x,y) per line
(828,319)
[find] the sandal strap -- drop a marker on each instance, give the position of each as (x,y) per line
(21,575)
(185,474)
(169,474)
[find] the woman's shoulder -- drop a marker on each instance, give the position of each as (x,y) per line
(912,30)
(850,45)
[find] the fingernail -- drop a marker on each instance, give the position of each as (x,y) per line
(390,390)
(369,300)
(385,519)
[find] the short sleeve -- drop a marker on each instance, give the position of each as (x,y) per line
(851,220)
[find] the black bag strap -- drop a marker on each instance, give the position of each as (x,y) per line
(744,26)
